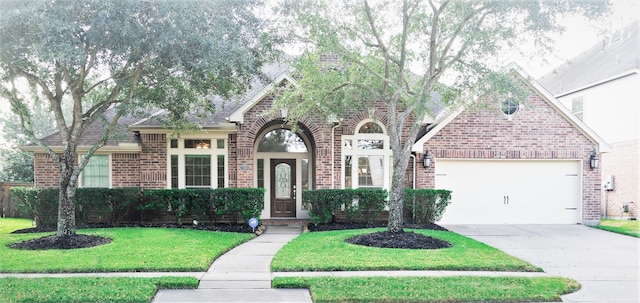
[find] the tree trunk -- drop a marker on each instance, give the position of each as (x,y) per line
(66,207)
(396,196)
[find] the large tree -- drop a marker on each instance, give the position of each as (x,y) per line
(106,59)
(410,53)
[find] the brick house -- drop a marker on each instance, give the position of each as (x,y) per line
(506,163)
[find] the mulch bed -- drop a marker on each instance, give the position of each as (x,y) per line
(65,242)
(385,239)
(406,240)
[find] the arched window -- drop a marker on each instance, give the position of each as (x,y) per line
(282,140)
(366,157)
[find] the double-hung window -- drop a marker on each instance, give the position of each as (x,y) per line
(366,157)
(96,172)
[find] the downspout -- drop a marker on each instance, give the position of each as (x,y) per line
(333,165)
(414,170)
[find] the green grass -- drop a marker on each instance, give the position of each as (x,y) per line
(327,251)
(54,290)
(625,227)
(431,289)
(132,249)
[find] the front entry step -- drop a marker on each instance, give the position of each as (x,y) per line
(283,222)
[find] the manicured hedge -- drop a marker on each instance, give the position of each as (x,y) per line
(426,205)
(365,205)
(120,205)
(361,204)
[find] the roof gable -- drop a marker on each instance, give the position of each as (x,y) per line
(544,95)
(238,115)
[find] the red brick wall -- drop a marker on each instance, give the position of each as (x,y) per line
(153,161)
(125,170)
(536,131)
(46,170)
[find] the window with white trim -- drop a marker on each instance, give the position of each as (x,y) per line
(366,157)
(197,163)
(96,172)
(577,107)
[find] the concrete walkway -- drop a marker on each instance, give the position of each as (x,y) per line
(243,274)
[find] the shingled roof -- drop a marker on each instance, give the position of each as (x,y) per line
(614,57)
(124,136)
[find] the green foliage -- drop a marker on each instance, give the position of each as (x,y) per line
(91,289)
(38,203)
(413,56)
(206,203)
(106,205)
(133,249)
(363,203)
(367,204)
(332,253)
(248,202)
(426,205)
(321,203)
(117,205)
(625,227)
(107,59)
(432,289)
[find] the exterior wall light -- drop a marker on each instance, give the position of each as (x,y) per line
(594,161)
(426,161)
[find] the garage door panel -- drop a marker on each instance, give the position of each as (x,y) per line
(508,191)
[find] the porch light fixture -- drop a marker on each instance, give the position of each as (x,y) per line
(202,145)
(426,161)
(594,161)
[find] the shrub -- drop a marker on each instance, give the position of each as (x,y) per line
(322,202)
(364,203)
(41,204)
(426,205)
(370,202)
(112,206)
(105,205)
(248,202)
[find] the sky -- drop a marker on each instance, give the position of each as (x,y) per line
(580,35)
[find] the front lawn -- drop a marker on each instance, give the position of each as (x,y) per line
(625,227)
(327,251)
(132,249)
(431,289)
(54,290)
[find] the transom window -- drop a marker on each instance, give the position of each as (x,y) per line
(282,140)
(366,157)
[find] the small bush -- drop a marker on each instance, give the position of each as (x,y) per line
(362,203)
(426,205)
(41,204)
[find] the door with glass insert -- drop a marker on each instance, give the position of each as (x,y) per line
(283,187)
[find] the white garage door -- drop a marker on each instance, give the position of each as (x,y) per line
(510,191)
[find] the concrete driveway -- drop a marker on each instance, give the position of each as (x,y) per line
(605,263)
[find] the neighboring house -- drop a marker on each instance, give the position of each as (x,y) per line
(601,86)
(528,165)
